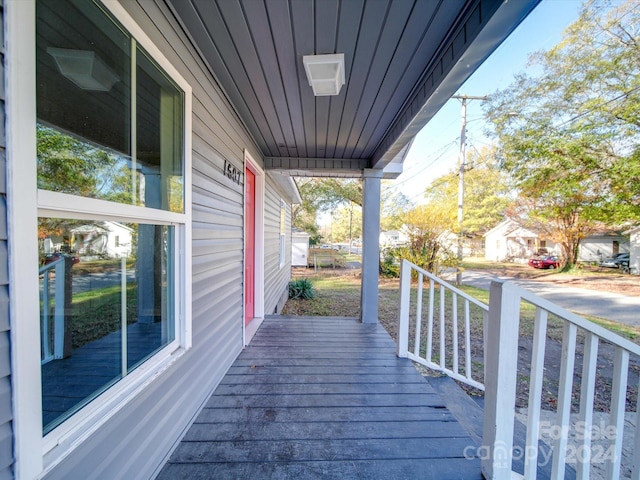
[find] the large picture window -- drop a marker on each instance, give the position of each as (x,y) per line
(111,200)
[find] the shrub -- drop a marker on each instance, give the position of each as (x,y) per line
(301,288)
(389,265)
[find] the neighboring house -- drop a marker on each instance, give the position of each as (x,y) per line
(189,120)
(602,244)
(634,250)
(392,238)
(103,239)
(509,240)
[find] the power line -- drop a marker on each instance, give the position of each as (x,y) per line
(597,107)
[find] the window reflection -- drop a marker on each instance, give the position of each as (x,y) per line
(106,302)
(110,121)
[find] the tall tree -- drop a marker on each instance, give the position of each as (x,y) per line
(569,136)
(487,193)
(394,205)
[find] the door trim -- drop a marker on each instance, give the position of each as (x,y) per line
(250,329)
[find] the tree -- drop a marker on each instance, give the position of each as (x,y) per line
(339,195)
(486,194)
(428,228)
(347,223)
(322,195)
(569,136)
(70,165)
(394,205)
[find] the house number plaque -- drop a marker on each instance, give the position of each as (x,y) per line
(232,172)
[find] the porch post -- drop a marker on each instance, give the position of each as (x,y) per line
(500,376)
(370,245)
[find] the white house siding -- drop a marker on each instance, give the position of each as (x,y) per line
(136,441)
(596,247)
(6,425)
(276,287)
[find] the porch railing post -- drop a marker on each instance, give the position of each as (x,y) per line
(403,311)
(500,380)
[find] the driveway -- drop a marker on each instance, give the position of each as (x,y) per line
(610,306)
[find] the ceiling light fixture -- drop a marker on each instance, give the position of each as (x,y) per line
(84,68)
(325,73)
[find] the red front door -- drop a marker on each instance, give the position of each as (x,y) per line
(249,243)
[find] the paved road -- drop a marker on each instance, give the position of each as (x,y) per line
(611,306)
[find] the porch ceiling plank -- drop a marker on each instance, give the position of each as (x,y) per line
(302,25)
(280,19)
(325,34)
(267,66)
(243,45)
(202,20)
(416,47)
(323,397)
(355,106)
(387,46)
(350,15)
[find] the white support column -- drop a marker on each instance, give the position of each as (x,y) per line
(370,245)
(501,349)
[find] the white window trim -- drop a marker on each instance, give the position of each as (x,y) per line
(283,234)
(31,450)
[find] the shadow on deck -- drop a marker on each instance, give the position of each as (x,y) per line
(316,397)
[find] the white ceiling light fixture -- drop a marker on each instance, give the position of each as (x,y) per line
(325,73)
(84,68)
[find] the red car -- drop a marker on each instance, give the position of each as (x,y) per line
(544,261)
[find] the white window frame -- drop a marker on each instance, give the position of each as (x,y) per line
(35,454)
(282,232)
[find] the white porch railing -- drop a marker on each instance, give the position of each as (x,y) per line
(52,311)
(449,310)
(501,335)
(501,378)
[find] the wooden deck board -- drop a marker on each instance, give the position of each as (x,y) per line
(323,398)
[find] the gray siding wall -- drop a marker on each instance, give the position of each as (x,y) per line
(138,439)
(276,278)
(6,415)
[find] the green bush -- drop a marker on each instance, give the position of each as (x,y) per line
(389,265)
(301,288)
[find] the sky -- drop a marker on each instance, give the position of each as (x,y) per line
(435,149)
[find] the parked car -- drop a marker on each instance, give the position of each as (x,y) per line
(619,260)
(544,261)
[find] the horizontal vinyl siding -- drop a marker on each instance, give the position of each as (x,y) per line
(6,411)
(134,444)
(276,278)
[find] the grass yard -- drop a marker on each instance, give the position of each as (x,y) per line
(97,313)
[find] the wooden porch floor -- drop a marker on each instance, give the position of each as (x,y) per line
(323,398)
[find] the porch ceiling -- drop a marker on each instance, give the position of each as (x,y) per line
(403,60)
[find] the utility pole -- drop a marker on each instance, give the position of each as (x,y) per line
(461,169)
